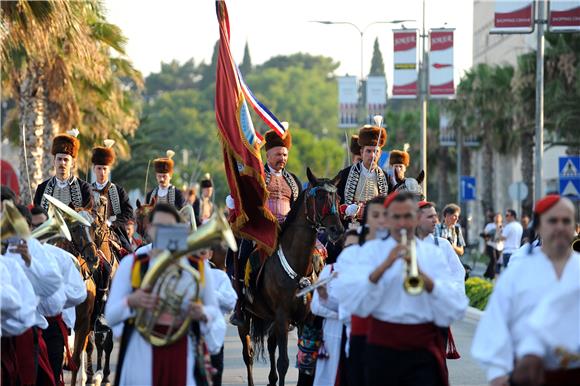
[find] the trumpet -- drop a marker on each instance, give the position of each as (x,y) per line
(169,280)
(412,282)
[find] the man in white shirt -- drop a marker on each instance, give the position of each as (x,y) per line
(511,235)
(505,323)
(404,343)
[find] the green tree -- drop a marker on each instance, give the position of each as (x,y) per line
(246,66)
(377,63)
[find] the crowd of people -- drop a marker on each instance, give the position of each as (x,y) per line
(394,283)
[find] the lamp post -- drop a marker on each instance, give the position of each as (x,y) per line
(361,32)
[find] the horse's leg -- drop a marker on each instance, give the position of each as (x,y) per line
(108,346)
(281,331)
(99,338)
(273,376)
(247,351)
(89,350)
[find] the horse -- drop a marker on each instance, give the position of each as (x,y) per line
(274,303)
(141,213)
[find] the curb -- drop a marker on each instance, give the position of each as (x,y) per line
(473,314)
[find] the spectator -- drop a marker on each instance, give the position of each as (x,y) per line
(493,244)
(511,235)
(526,236)
(449,229)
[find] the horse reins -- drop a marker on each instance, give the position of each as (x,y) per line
(329,208)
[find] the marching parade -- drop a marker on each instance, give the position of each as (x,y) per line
(361,266)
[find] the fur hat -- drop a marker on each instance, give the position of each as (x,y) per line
(66,144)
(104,155)
(206,181)
(274,140)
(369,136)
(354,146)
(399,157)
(164,164)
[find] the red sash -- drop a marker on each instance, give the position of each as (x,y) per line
(23,355)
(64,330)
(562,377)
(405,337)
(359,326)
(170,362)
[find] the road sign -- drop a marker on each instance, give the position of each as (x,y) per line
(518,191)
(468,188)
(569,171)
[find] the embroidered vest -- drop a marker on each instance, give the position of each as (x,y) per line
(73,187)
(289,179)
(170,195)
(112,196)
(353,179)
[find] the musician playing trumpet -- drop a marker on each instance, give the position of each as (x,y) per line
(407,296)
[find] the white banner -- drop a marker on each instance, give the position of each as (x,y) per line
(441,64)
(564,16)
(405,64)
(376,95)
(513,16)
(347,101)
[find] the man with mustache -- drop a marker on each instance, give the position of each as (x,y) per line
(505,326)
(165,192)
(64,186)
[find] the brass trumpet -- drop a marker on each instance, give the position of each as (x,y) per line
(413,282)
(164,277)
(576,244)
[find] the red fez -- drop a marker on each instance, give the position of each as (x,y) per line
(424,203)
(546,203)
(390,198)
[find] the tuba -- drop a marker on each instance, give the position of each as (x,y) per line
(413,283)
(166,279)
(12,224)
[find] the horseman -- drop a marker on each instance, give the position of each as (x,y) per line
(284,189)
(364,180)
(354,149)
(118,208)
(399,161)
(64,186)
(165,192)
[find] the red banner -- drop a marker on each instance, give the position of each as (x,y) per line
(251,219)
(564,16)
(513,16)
(441,63)
(405,64)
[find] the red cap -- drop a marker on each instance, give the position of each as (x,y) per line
(546,203)
(389,199)
(424,203)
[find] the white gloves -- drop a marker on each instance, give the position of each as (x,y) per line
(230,202)
(351,210)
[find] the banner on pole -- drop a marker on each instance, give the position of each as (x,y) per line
(564,16)
(347,101)
(405,64)
(441,64)
(513,16)
(376,96)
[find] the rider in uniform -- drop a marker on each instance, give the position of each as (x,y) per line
(118,208)
(284,189)
(364,180)
(399,161)
(64,186)
(165,192)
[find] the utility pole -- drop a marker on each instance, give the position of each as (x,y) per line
(424,85)
(538,175)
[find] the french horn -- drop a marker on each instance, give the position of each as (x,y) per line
(173,279)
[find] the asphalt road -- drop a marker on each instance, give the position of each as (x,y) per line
(462,372)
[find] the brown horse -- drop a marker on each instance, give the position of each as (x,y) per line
(274,305)
(141,213)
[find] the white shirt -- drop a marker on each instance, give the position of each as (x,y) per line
(387,300)
(274,172)
(513,236)
(225,293)
(516,295)
(18,301)
(72,292)
(555,323)
(348,262)
(162,192)
(139,355)
(491,231)
(453,261)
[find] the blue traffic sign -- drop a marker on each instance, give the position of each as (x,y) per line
(569,173)
(468,188)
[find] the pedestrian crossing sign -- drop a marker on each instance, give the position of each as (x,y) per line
(569,171)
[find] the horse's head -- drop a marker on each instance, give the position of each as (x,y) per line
(142,217)
(322,205)
(82,240)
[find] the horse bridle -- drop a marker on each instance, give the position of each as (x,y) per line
(313,216)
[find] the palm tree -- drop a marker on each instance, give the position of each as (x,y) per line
(57,63)
(482,108)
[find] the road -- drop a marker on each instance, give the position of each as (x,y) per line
(462,372)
